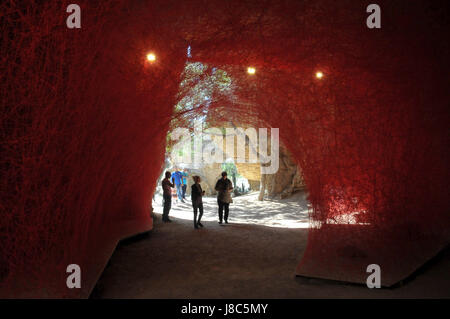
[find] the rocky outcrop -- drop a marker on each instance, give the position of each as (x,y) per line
(286,181)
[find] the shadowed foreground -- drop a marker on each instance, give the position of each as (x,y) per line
(236,261)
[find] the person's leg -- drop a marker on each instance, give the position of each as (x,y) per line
(195,215)
(167,205)
(220,210)
(200,208)
(180,197)
(164,208)
(183,193)
(227,209)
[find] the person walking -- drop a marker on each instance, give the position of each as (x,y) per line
(224,187)
(197,203)
(177,179)
(167,196)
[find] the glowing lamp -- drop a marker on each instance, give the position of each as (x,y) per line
(151,57)
(319,75)
(251,70)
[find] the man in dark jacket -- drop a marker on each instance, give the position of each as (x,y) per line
(224,187)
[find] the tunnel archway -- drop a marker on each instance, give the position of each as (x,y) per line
(85,116)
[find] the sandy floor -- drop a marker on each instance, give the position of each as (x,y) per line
(254,256)
(286,213)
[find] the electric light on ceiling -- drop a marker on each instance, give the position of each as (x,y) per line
(319,75)
(251,70)
(151,57)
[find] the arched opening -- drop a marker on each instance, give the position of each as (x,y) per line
(85,113)
(206,139)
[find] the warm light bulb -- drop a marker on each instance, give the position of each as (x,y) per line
(251,70)
(319,75)
(151,57)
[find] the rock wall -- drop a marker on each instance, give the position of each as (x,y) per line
(286,181)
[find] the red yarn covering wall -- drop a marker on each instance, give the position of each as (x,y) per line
(84,122)
(84,117)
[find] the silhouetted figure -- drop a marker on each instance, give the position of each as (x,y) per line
(197,203)
(167,196)
(184,175)
(224,187)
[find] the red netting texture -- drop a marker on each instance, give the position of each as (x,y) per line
(84,116)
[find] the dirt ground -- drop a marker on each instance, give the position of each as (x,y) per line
(254,256)
(290,212)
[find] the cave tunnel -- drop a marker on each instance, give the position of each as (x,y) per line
(85,114)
